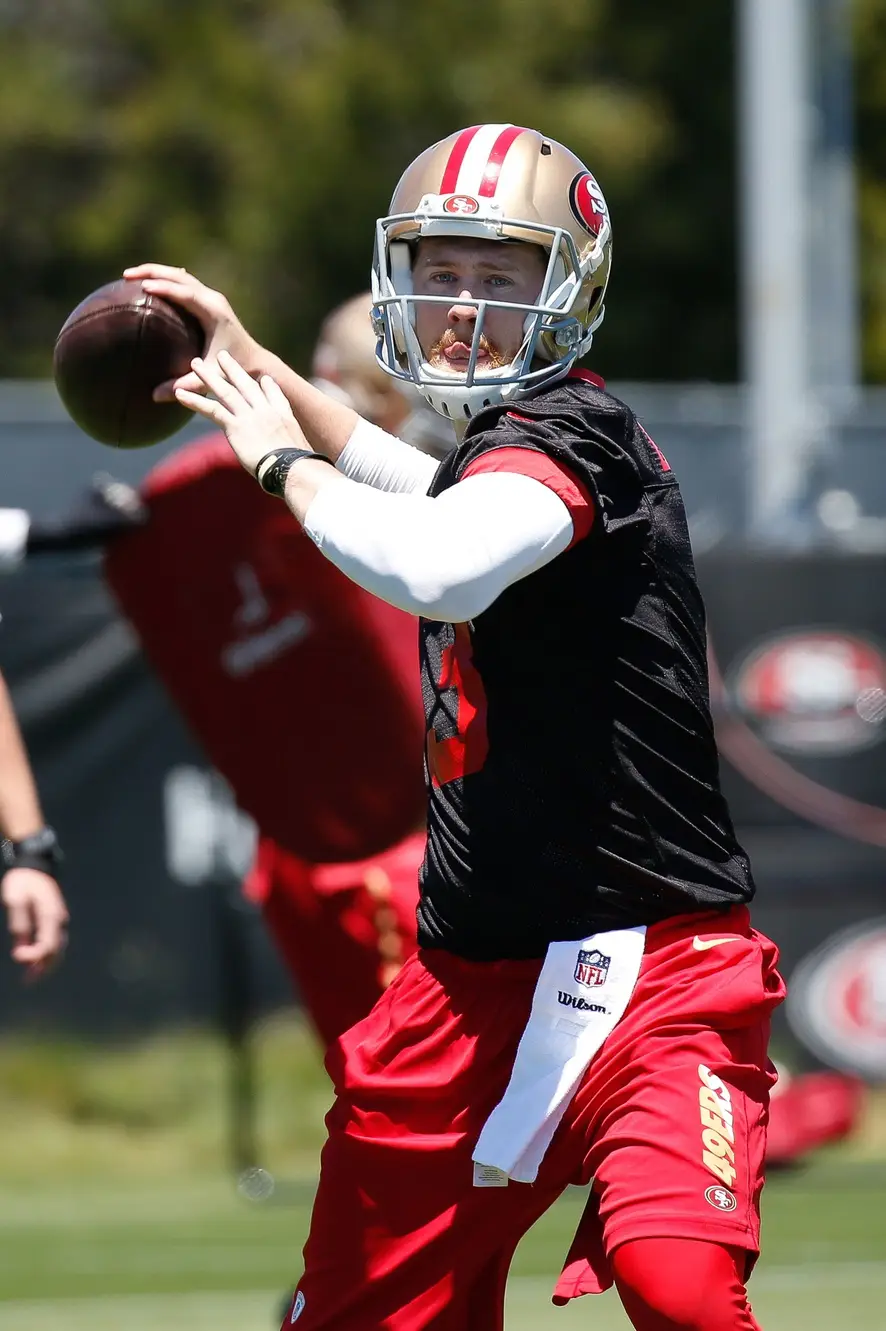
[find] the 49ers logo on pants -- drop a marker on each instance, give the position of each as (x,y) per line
(718,1131)
(720,1198)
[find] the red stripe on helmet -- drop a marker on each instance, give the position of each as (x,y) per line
(489,183)
(456,157)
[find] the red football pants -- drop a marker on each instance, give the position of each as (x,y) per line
(669,1120)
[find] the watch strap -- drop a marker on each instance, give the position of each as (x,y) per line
(274,467)
(40,851)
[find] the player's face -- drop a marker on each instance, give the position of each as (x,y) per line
(465,270)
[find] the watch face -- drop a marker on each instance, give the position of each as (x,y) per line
(272,476)
(277,473)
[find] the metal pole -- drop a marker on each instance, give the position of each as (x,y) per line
(773,119)
(833,268)
(235,1018)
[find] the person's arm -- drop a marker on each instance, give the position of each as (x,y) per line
(447,557)
(328,424)
(20,812)
(35,909)
(376,458)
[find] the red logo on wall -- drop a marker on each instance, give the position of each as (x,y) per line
(813,692)
(837,1000)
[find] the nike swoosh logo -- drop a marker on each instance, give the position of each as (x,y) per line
(702,944)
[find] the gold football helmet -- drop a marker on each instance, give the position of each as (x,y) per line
(495,182)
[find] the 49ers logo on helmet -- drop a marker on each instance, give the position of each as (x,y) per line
(587,203)
(461,205)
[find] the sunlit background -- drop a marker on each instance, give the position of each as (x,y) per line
(161,1100)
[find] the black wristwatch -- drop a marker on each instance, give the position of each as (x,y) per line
(273,468)
(40,851)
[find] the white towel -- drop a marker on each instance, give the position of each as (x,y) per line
(581,994)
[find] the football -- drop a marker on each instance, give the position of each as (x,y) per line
(114,349)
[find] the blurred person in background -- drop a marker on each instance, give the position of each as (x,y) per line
(36,915)
(343,927)
(346,368)
(344,930)
(589,999)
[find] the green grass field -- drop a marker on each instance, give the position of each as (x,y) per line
(112,1219)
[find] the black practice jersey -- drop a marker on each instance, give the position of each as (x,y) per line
(571,763)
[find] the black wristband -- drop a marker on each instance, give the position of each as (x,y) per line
(38,851)
(273,468)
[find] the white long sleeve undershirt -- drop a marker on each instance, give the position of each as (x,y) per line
(446,558)
(385,462)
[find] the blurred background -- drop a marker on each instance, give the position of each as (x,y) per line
(161,1098)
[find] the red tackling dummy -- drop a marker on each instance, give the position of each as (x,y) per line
(302,689)
(812,1110)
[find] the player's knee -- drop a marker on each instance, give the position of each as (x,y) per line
(681,1285)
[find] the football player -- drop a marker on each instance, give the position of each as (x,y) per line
(589,999)
(344,930)
(35,908)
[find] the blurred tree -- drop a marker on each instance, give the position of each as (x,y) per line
(256,141)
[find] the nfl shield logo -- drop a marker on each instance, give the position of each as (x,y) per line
(591,968)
